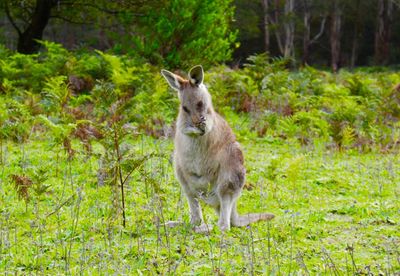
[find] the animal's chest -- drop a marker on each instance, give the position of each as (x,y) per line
(198,165)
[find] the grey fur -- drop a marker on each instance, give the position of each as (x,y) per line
(208,160)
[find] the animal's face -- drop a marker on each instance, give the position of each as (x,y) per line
(196,110)
(195,114)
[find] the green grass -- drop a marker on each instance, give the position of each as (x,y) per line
(336,197)
(336,213)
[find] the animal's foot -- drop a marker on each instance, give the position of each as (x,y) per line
(267,216)
(224,227)
(245,220)
(172,224)
(202,229)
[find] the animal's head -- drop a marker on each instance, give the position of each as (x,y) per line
(196,111)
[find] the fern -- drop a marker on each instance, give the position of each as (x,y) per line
(289,127)
(56,93)
(348,136)
(59,132)
(15,121)
(125,75)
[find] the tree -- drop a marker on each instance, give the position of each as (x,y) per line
(284,26)
(356,33)
(187,32)
(183,32)
(30,17)
(335,34)
(265,6)
(289,29)
(383,31)
(308,8)
(39,16)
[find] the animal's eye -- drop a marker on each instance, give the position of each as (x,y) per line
(200,105)
(186,109)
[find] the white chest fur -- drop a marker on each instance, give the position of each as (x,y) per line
(194,159)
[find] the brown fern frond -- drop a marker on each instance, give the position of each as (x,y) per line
(22,184)
(68,148)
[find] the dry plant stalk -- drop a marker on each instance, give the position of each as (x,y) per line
(22,184)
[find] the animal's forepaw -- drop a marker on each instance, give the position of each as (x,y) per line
(202,229)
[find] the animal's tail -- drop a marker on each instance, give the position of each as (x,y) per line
(240,221)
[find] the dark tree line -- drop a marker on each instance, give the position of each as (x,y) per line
(333,33)
(29,19)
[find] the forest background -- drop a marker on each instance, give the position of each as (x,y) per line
(309,87)
(338,33)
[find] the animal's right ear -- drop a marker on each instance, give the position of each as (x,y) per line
(173,80)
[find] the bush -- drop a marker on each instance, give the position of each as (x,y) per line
(262,99)
(185,33)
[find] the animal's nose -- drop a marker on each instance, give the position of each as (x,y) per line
(202,118)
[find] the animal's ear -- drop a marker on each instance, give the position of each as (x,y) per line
(173,80)
(196,75)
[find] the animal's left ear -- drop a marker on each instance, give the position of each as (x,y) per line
(196,75)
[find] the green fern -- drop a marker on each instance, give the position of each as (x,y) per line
(348,136)
(56,93)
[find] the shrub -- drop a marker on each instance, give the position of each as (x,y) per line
(188,32)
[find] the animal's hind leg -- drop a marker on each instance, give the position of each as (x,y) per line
(236,219)
(225,210)
(230,187)
(227,199)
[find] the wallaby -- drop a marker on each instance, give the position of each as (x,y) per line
(207,158)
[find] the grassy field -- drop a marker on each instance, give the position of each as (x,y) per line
(337,212)
(321,151)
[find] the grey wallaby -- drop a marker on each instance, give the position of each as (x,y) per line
(208,160)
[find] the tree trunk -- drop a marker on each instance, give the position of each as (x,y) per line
(27,43)
(277,23)
(383,30)
(335,36)
(289,29)
(307,40)
(306,34)
(284,28)
(266,25)
(354,45)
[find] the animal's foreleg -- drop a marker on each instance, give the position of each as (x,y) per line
(196,216)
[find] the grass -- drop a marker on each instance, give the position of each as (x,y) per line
(336,213)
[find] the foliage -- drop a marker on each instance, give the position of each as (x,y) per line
(349,109)
(74,146)
(183,33)
(310,104)
(15,120)
(174,33)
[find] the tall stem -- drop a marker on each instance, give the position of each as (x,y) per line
(119,171)
(1,151)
